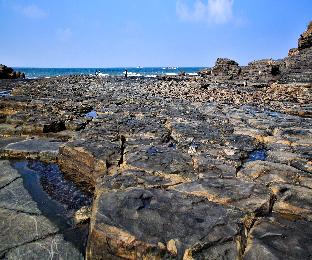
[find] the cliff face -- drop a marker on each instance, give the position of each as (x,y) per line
(9,73)
(298,64)
(305,40)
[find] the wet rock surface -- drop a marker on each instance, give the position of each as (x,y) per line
(33,224)
(216,166)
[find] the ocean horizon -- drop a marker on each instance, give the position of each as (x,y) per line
(33,73)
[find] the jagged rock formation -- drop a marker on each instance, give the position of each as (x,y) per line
(210,167)
(297,67)
(9,73)
(305,40)
(225,69)
(263,71)
(259,73)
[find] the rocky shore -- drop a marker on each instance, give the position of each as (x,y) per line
(9,73)
(215,166)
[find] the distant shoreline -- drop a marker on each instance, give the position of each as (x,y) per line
(147,72)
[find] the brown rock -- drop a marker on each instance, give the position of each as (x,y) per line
(305,40)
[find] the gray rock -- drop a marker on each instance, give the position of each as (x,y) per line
(19,228)
(278,238)
(16,197)
(133,222)
(7,174)
(43,149)
(247,196)
(52,247)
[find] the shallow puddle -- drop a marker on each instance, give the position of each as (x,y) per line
(257,155)
(5,93)
(92,114)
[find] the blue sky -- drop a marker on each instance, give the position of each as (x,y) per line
(125,33)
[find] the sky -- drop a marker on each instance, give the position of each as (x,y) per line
(149,33)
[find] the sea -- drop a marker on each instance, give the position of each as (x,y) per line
(148,72)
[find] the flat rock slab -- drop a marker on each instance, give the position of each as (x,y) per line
(20,228)
(247,196)
(5,141)
(15,197)
(277,238)
(293,200)
(131,178)
(208,167)
(269,172)
(52,247)
(159,159)
(290,158)
(42,149)
(155,224)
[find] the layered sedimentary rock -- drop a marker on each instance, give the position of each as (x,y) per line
(259,73)
(297,67)
(263,71)
(305,40)
(225,69)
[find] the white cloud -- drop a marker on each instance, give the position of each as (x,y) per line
(64,34)
(31,11)
(211,11)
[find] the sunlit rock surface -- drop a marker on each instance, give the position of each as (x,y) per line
(215,166)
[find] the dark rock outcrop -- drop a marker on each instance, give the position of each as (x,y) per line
(305,40)
(297,67)
(9,73)
(298,64)
(225,69)
(262,71)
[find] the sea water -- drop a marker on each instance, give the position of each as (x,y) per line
(132,72)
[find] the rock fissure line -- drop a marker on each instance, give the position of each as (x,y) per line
(122,150)
(245,233)
(4,252)
(22,211)
(10,182)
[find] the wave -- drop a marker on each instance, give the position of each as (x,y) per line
(103,75)
(132,74)
(150,76)
(105,72)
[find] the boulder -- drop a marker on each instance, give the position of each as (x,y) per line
(226,69)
